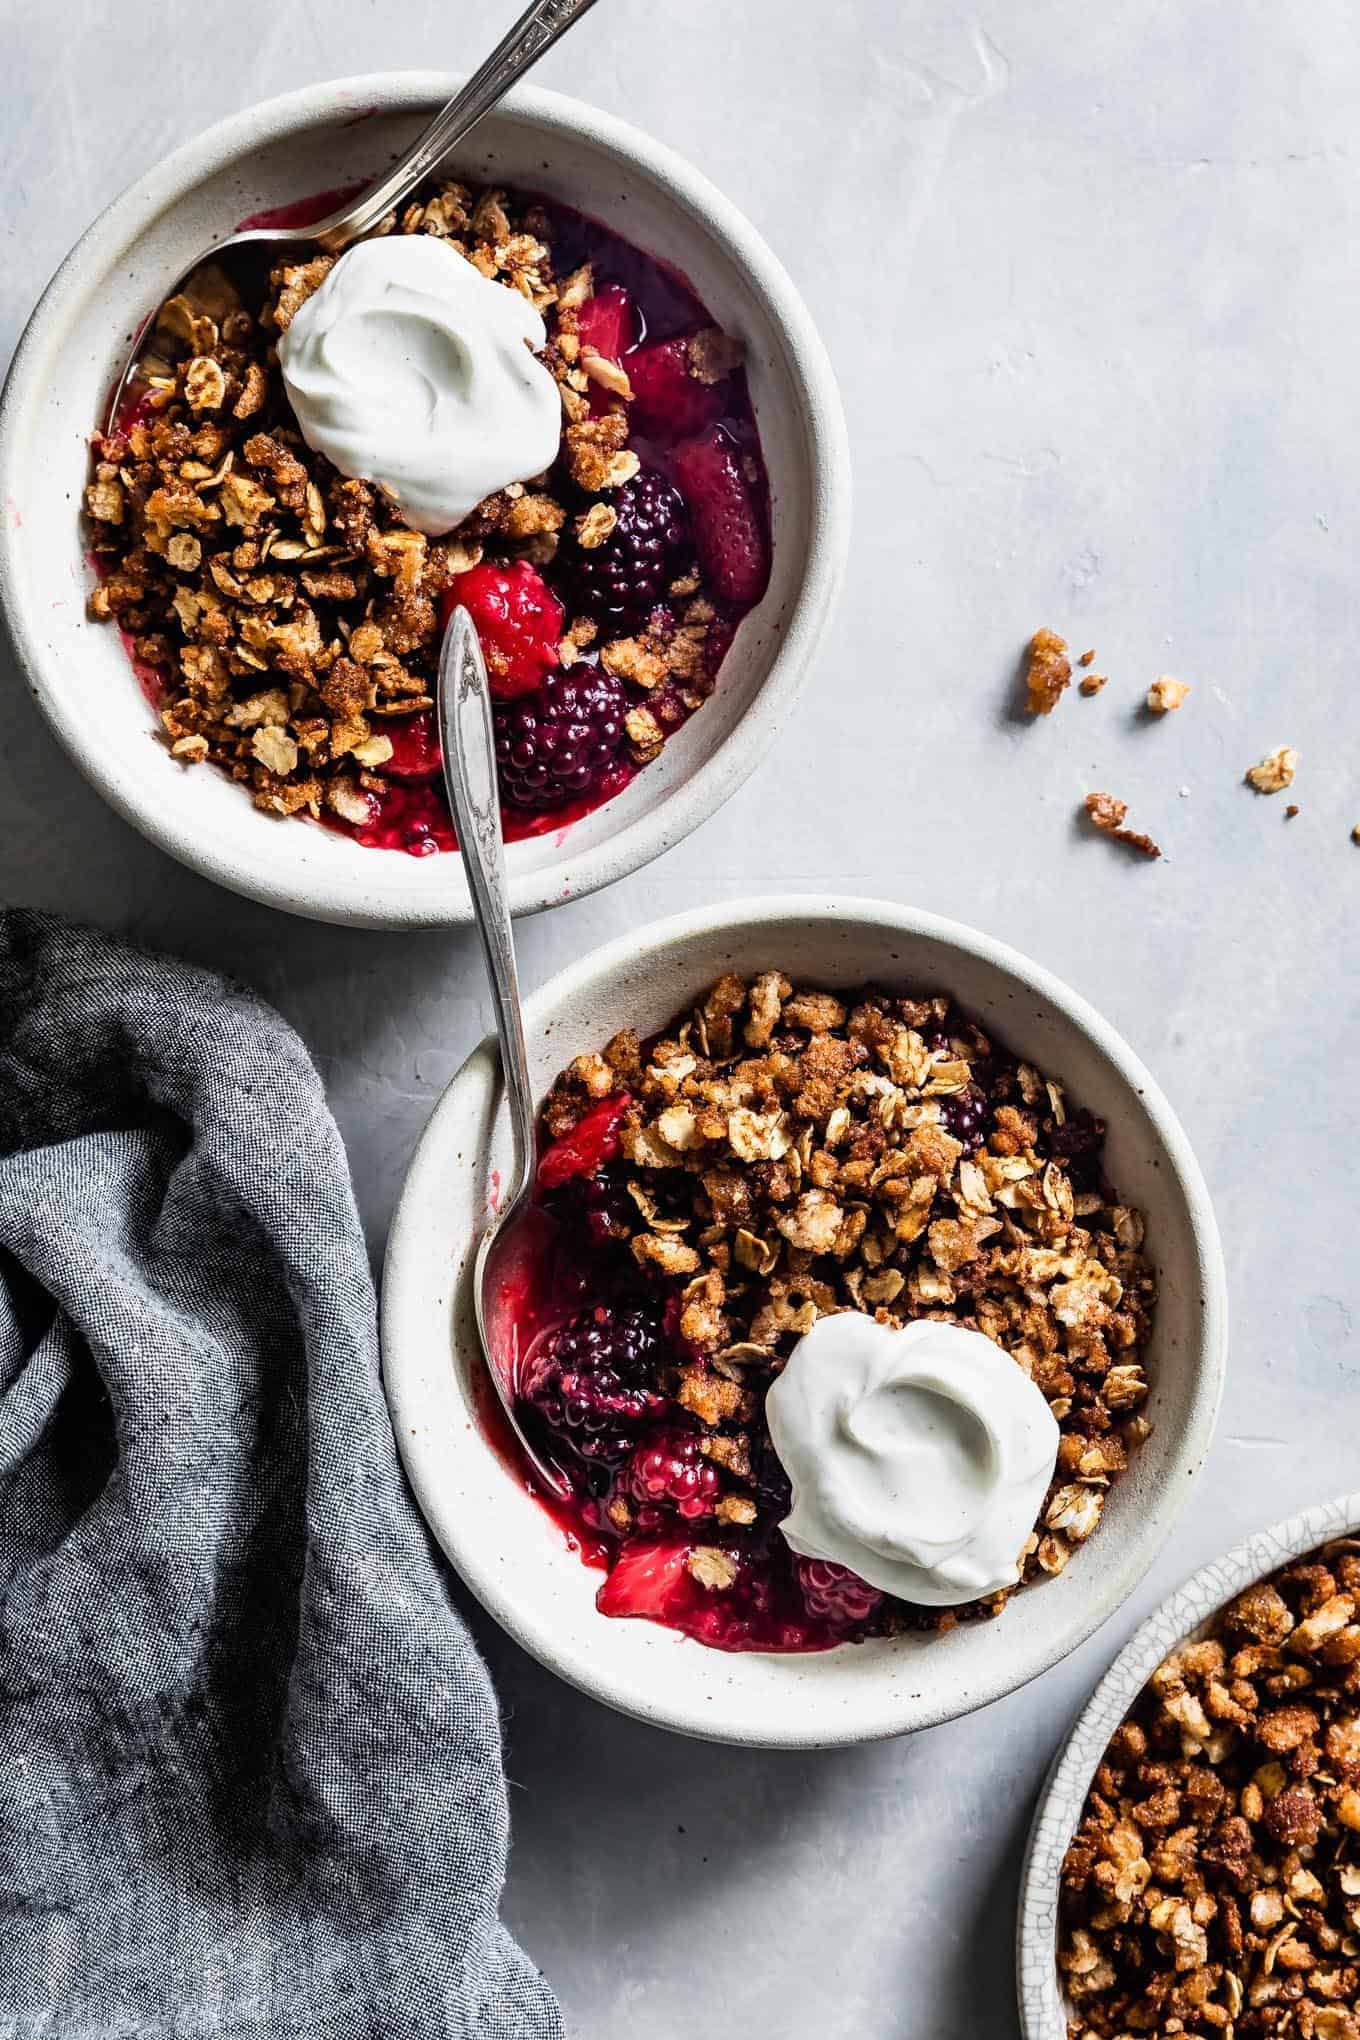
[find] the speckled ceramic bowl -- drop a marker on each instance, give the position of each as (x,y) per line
(505,1545)
(313,141)
(1043,2006)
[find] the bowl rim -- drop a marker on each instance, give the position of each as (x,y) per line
(405,1327)
(326,896)
(1210,1587)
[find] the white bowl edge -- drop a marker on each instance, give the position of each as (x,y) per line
(795,1704)
(1039,1991)
(314,872)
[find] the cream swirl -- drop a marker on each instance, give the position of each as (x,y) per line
(919,1455)
(410,369)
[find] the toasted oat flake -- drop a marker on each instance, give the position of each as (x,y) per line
(275,750)
(712,1568)
(610,375)
(595,525)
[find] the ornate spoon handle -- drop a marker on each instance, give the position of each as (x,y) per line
(467,739)
(537,29)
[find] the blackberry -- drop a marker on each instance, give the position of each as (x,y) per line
(558,744)
(1077,1144)
(964,1116)
(774,1492)
(669,1471)
(591,1383)
(620,581)
(596,1207)
(832,1593)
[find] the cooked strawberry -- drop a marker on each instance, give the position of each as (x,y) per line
(415,746)
(729,527)
(519,621)
(668,401)
(605,322)
(592,1142)
(647,1579)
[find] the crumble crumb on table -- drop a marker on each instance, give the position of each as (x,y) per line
(1166,694)
(1047,673)
(1108,814)
(1275,771)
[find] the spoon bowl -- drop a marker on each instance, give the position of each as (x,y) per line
(542,24)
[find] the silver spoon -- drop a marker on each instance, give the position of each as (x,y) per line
(537,29)
(512,1238)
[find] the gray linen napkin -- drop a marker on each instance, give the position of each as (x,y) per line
(250,1765)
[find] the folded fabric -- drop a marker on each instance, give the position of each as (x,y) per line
(250,1764)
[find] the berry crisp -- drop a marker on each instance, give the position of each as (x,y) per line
(774,1156)
(286,623)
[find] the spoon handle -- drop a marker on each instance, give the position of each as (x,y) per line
(467,740)
(537,29)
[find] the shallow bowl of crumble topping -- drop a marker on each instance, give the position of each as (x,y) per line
(756,1120)
(235,640)
(1194,1864)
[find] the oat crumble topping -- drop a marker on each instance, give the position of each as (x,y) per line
(1213,1886)
(290,618)
(787,1153)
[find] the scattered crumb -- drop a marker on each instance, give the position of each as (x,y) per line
(1093,683)
(1185,793)
(1108,815)
(1166,694)
(1291,811)
(1105,811)
(1047,673)
(1087,657)
(1355,833)
(1275,771)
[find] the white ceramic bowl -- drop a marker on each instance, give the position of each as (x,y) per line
(312,141)
(1043,2004)
(504,1544)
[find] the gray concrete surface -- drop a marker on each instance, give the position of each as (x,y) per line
(1089,279)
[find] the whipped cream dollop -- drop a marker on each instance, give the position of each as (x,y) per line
(919,1455)
(408,368)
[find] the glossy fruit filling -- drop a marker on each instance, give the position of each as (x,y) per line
(599,1352)
(773,1160)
